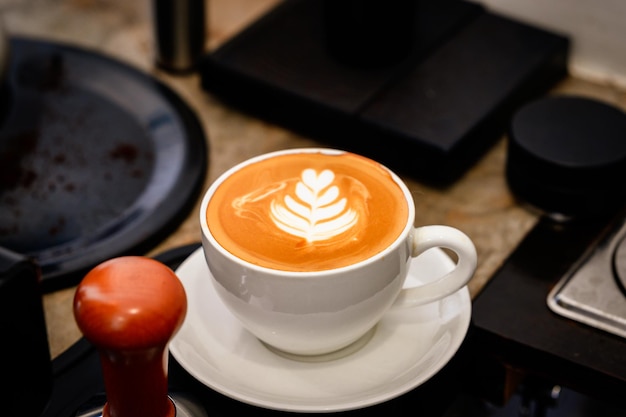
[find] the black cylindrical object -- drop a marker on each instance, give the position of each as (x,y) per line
(179,33)
(567,156)
(25,367)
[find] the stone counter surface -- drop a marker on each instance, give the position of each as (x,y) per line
(480,203)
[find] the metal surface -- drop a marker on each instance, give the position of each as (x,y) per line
(590,293)
(619,264)
(96,160)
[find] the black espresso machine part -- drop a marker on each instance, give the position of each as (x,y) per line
(25,368)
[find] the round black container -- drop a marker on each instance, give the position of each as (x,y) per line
(567,156)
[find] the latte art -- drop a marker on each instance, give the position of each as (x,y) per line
(307,211)
(318,211)
(312,207)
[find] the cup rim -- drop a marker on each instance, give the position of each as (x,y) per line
(206,231)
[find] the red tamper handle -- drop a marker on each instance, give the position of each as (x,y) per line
(129,308)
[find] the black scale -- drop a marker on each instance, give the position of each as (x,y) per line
(429,113)
(593,292)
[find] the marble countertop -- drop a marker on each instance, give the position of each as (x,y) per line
(480,203)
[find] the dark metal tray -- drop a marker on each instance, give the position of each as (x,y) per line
(97,159)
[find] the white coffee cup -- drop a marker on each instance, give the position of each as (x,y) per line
(318,312)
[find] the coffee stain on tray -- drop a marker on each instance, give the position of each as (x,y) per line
(12,152)
(71,162)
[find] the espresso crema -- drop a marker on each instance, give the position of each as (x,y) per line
(307,211)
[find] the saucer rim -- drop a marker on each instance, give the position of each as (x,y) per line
(463,318)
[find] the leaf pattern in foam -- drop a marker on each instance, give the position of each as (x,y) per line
(317,211)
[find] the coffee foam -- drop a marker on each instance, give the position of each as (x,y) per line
(307,212)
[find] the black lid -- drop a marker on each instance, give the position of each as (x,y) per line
(567,156)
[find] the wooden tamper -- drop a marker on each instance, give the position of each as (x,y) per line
(129,308)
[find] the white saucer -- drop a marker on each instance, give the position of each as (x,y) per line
(406,349)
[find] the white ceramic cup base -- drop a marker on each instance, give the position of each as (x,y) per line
(330,356)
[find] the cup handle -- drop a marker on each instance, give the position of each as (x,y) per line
(428,237)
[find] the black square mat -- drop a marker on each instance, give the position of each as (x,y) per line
(429,115)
